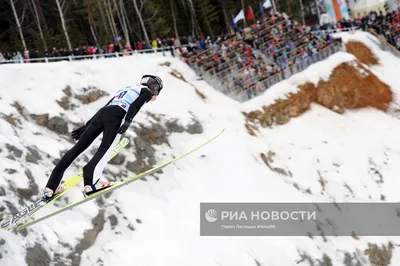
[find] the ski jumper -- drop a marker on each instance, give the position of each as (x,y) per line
(107,120)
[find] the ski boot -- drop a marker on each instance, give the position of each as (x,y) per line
(49,194)
(96,187)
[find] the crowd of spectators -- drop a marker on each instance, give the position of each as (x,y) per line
(254,57)
(250,57)
(387,24)
(57,54)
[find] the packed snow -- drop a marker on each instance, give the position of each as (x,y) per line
(165,213)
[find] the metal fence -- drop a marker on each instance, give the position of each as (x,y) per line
(384,45)
(158,51)
(262,86)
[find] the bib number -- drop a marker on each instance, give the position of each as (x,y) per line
(121,95)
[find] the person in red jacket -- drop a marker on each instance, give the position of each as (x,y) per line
(140,46)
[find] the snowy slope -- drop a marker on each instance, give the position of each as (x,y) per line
(164,213)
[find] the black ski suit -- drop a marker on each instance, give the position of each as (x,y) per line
(108,121)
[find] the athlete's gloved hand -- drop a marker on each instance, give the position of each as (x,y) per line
(124,126)
(76,134)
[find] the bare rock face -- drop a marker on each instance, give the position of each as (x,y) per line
(118,160)
(33,155)
(156,134)
(27,193)
(56,124)
(41,120)
(195,127)
(37,256)
(174,126)
(14,151)
(350,86)
(92,95)
(89,237)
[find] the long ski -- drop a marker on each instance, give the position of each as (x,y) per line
(114,187)
(10,223)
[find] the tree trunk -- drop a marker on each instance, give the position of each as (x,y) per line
(141,21)
(111,14)
(39,26)
(302,12)
(18,24)
(122,19)
(92,29)
(106,27)
(227,20)
(110,20)
(127,22)
(195,26)
(64,26)
(174,18)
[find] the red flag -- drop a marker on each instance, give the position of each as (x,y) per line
(250,13)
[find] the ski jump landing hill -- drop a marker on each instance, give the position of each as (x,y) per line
(327,134)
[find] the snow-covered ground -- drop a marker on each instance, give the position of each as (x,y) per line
(165,213)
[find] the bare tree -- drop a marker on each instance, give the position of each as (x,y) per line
(39,25)
(139,14)
(172,2)
(302,12)
(228,22)
(91,24)
(110,18)
(195,25)
(17,20)
(121,17)
(106,26)
(128,22)
(62,9)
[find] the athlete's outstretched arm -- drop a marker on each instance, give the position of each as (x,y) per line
(134,108)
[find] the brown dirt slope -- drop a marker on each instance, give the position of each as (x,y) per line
(350,86)
(362,53)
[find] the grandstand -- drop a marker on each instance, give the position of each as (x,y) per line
(265,53)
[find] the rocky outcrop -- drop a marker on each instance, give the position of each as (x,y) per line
(195,127)
(156,134)
(178,75)
(33,155)
(89,237)
(37,256)
(118,160)
(91,94)
(14,151)
(379,255)
(350,86)
(174,126)
(362,53)
(32,190)
(56,124)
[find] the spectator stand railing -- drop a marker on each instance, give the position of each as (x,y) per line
(263,85)
(336,30)
(83,57)
(384,44)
